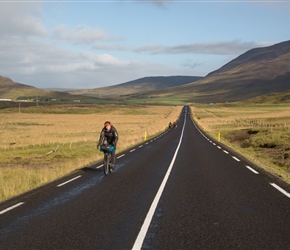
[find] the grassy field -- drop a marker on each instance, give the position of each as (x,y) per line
(259,132)
(40,144)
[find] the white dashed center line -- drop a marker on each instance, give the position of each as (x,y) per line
(280,189)
(236,158)
(59,185)
(253,170)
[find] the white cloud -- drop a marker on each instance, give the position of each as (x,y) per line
(21,20)
(103,46)
(44,65)
(106,59)
(79,34)
(28,58)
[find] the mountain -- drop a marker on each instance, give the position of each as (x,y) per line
(18,91)
(139,86)
(13,90)
(257,72)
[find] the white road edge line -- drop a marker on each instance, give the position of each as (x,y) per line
(280,189)
(120,156)
(64,183)
(12,207)
(226,151)
(140,238)
(132,150)
(253,170)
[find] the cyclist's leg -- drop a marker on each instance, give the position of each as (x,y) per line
(113,160)
(106,164)
(105,159)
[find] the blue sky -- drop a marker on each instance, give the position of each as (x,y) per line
(91,44)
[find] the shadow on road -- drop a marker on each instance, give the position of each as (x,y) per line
(91,169)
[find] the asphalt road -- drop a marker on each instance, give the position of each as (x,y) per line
(180,190)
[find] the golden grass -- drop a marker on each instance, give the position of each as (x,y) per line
(216,117)
(260,133)
(37,148)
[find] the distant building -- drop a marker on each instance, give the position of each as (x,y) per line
(5,100)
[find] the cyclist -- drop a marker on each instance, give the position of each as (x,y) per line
(174,124)
(109,137)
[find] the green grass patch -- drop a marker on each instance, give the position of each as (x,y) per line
(158,101)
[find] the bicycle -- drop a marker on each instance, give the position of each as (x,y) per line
(107,160)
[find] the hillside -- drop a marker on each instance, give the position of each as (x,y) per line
(12,90)
(17,91)
(273,98)
(257,72)
(139,86)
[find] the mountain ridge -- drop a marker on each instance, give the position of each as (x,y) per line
(140,85)
(242,78)
(13,90)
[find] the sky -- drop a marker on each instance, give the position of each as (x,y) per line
(92,44)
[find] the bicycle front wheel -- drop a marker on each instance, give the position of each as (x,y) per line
(106,165)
